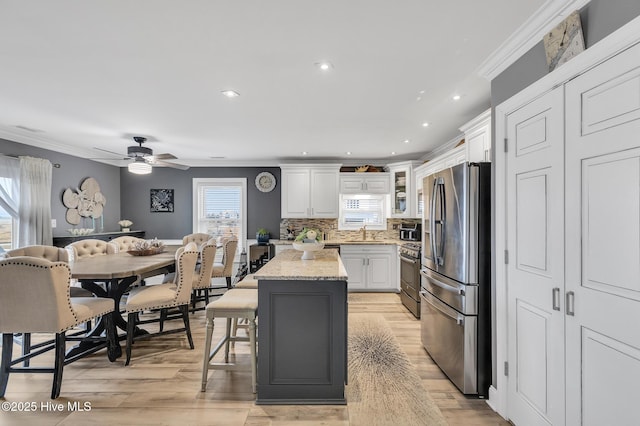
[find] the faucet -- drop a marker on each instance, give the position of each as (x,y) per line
(364,232)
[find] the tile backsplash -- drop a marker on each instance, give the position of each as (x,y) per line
(330,229)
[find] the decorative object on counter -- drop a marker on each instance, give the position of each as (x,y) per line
(80,231)
(147,248)
(161,200)
(85,202)
(262,236)
(125,225)
(308,235)
(308,249)
(265,182)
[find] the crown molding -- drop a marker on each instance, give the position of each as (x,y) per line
(550,14)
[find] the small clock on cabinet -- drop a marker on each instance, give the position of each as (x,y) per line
(265,182)
(564,41)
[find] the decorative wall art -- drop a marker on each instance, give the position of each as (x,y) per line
(161,200)
(85,202)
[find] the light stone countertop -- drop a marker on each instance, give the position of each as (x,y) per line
(287,265)
(346,242)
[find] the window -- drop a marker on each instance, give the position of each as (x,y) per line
(9,188)
(220,208)
(359,209)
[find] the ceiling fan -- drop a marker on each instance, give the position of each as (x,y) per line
(144,160)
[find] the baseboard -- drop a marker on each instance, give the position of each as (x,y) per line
(494,401)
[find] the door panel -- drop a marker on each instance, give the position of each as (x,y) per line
(354,264)
(602,242)
(379,272)
(535,235)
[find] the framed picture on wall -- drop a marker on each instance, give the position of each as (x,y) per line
(161,200)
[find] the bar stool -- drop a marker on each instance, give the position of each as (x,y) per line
(247,282)
(235,303)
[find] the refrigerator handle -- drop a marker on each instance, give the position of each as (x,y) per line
(443,219)
(432,220)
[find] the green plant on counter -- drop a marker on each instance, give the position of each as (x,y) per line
(307,233)
(262,231)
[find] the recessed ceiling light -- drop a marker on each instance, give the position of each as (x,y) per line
(230,93)
(393,153)
(456,97)
(406,141)
(304,152)
(324,66)
(425,124)
(348,152)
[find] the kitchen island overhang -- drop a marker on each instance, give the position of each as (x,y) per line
(302,329)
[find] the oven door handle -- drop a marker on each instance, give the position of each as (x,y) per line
(408,260)
(442,308)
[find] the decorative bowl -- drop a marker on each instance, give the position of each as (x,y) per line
(308,249)
(146,252)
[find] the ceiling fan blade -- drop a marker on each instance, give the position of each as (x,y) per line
(168,164)
(165,156)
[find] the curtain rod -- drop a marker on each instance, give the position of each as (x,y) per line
(55,165)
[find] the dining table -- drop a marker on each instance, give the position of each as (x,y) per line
(112,275)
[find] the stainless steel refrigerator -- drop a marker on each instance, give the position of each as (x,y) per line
(456,274)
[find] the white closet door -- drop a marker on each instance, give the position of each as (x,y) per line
(603,242)
(535,273)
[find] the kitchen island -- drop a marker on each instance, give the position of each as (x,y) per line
(302,329)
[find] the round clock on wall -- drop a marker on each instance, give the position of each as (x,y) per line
(265,182)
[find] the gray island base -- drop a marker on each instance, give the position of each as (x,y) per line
(302,329)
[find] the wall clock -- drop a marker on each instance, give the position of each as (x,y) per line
(265,182)
(564,41)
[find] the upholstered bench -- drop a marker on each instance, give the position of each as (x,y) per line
(235,303)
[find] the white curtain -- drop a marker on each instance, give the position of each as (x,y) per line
(10,185)
(35,202)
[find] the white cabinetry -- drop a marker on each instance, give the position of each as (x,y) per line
(364,183)
(309,191)
(403,203)
(477,135)
(370,267)
(568,216)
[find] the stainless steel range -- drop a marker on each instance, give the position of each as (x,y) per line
(410,277)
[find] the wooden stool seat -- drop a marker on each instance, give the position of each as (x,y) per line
(235,303)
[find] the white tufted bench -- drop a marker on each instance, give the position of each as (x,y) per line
(234,304)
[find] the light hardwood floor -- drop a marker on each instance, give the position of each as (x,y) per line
(162,384)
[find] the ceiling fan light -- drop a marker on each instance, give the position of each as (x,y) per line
(139,167)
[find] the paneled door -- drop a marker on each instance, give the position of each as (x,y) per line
(603,243)
(535,269)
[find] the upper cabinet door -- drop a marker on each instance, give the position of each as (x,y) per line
(477,135)
(324,193)
(310,191)
(296,185)
(402,194)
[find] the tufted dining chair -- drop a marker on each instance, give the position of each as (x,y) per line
(53,254)
(174,294)
(89,248)
(225,269)
(199,238)
(125,243)
(35,299)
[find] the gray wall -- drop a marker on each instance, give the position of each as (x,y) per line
(599,19)
(72,171)
(263,209)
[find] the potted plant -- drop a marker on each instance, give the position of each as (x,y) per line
(262,236)
(308,236)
